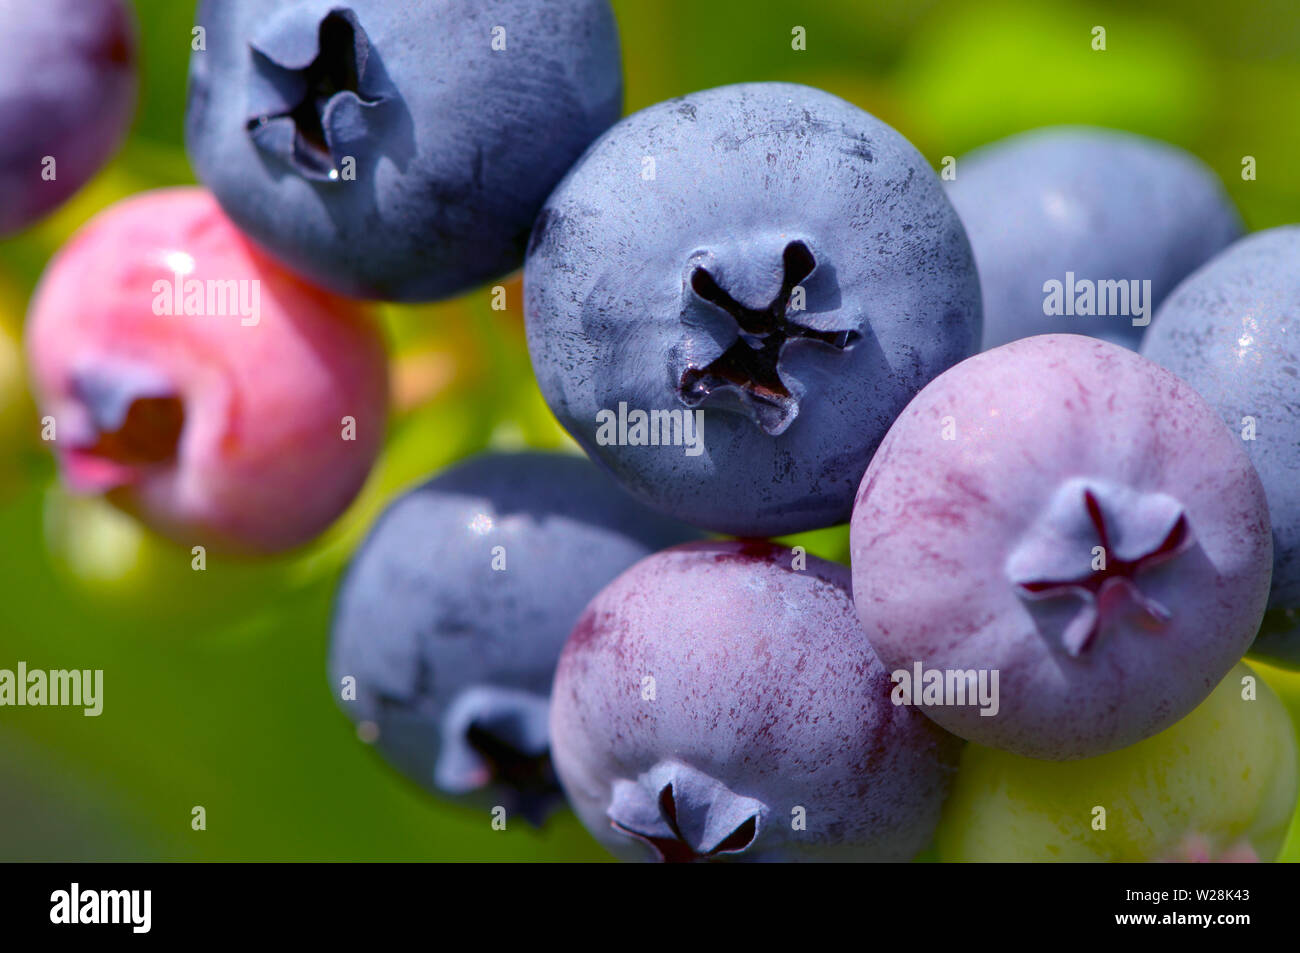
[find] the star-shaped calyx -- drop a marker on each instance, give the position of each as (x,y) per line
(118,421)
(490,738)
(496,736)
(316,84)
(1093,543)
(748,371)
(684,815)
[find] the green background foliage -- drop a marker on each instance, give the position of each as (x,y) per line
(215,684)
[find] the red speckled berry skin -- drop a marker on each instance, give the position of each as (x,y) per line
(762,682)
(939,524)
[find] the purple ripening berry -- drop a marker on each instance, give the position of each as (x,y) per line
(718,701)
(67,94)
(1076,519)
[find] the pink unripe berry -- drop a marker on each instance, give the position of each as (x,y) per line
(198,385)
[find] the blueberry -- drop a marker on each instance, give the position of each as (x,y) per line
(1232,330)
(397,150)
(717,701)
(202,387)
(766,255)
(455,609)
(1080,206)
(67,93)
(1072,516)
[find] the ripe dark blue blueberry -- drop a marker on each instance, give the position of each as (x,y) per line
(455,610)
(67,92)
(397,150)
(1079,206)
(718,701)
(769,256)
(1232,331)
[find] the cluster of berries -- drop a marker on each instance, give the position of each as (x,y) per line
(760,312)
